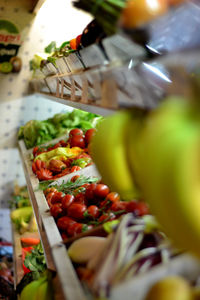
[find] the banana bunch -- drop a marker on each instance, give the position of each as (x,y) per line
(109,151)
(157,154)
(40,289)
(167,170)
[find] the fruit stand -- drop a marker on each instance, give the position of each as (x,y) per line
(118,76)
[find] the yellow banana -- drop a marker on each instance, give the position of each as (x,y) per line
(169,175)
(108,150)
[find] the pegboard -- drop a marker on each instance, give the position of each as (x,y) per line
(14,114)
(60,22)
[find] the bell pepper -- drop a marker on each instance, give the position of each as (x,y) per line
(60,153)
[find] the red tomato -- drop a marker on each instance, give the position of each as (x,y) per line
(119,205)
(74,229)
(67,200)
(93,211)
(105,205)
(35,150)
(74,178)
(64,236)
(49,190)
(113,197)
(107,217)
(101,190)
(44,174)
(89,193)
(138,208)
(63,143)
(75,131)
(56,210)
(40,164)
(75,169)
(49,198)
(89,134)
(80,198)
(64,222)
(76,210)
(57,197)
(34,168)
(77,141)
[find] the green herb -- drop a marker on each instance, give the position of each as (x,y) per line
(70,186)
(35,260)
(106,12)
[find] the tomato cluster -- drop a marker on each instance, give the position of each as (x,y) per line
(88,206)
(60,167)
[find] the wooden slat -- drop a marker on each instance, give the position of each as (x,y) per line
(54,249)
(17,253)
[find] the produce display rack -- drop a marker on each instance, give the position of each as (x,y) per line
(17,251)
(102,81)
(54,249)
(95,79)
(66,284)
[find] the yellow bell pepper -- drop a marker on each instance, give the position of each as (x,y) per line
(59,153)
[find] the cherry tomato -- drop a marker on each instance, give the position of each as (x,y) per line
(89,134)
(57,197)
(35,150)
(74,178)
(34,168)
(76,210)
(119,205)
(138,208)
(74,229)
(105,205)
(63,143)
(93,211)
(67,200)
(64,236)
(49,190)
(113,197)
(77,141)
(38,164)
(44,174)
(49,198)
(138,12)
(80,198)
(89,193)
(75,169)
(76,131)
(101,190)
(56,210)
(107,217)
(64,222)
(85,186)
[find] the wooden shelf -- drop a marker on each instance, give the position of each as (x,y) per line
(17,250)
(55,251)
